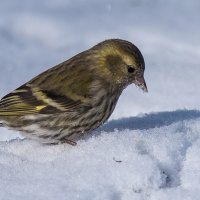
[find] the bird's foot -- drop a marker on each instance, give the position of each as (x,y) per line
(71,142)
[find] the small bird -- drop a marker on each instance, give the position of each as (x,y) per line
(76,96)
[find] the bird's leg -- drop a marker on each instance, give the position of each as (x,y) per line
(71,142)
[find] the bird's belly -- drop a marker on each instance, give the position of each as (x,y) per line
(71,126)
(86,122)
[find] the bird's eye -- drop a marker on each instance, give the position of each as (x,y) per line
(131,69)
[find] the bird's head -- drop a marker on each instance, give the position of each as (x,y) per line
(121,62)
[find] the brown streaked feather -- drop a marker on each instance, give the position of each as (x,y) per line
(29,100)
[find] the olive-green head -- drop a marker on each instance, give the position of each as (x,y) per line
(121,62)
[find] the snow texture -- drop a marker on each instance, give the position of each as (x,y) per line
(149,149)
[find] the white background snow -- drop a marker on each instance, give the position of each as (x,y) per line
(149,149)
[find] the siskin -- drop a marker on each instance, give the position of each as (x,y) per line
(74,97)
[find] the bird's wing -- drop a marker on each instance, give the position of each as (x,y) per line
(32,100)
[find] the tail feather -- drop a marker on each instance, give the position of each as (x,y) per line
(2,122)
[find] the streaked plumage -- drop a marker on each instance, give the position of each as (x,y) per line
(76,96)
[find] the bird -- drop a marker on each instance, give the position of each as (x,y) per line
(75,97)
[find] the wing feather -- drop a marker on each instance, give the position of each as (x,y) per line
(31,100)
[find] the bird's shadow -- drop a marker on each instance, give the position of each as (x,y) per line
(148,121)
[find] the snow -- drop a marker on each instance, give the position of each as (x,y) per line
(149,149)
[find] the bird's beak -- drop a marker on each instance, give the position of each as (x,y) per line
(140,82)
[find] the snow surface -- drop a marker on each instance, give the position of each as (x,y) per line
(134,155)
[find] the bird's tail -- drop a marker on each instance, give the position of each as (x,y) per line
(2,122)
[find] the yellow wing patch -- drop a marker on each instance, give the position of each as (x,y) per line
(41,96)
(28,100)
(38,108)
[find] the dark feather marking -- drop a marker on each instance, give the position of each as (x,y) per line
(111,106)
(99,103)
(49,110)
(70,134)
(26,96)
(45,136)
(61,99)
(56,135)
(5,104)
(45,79)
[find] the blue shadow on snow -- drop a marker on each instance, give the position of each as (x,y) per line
(151,120)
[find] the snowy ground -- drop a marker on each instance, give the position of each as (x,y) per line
(135,155)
